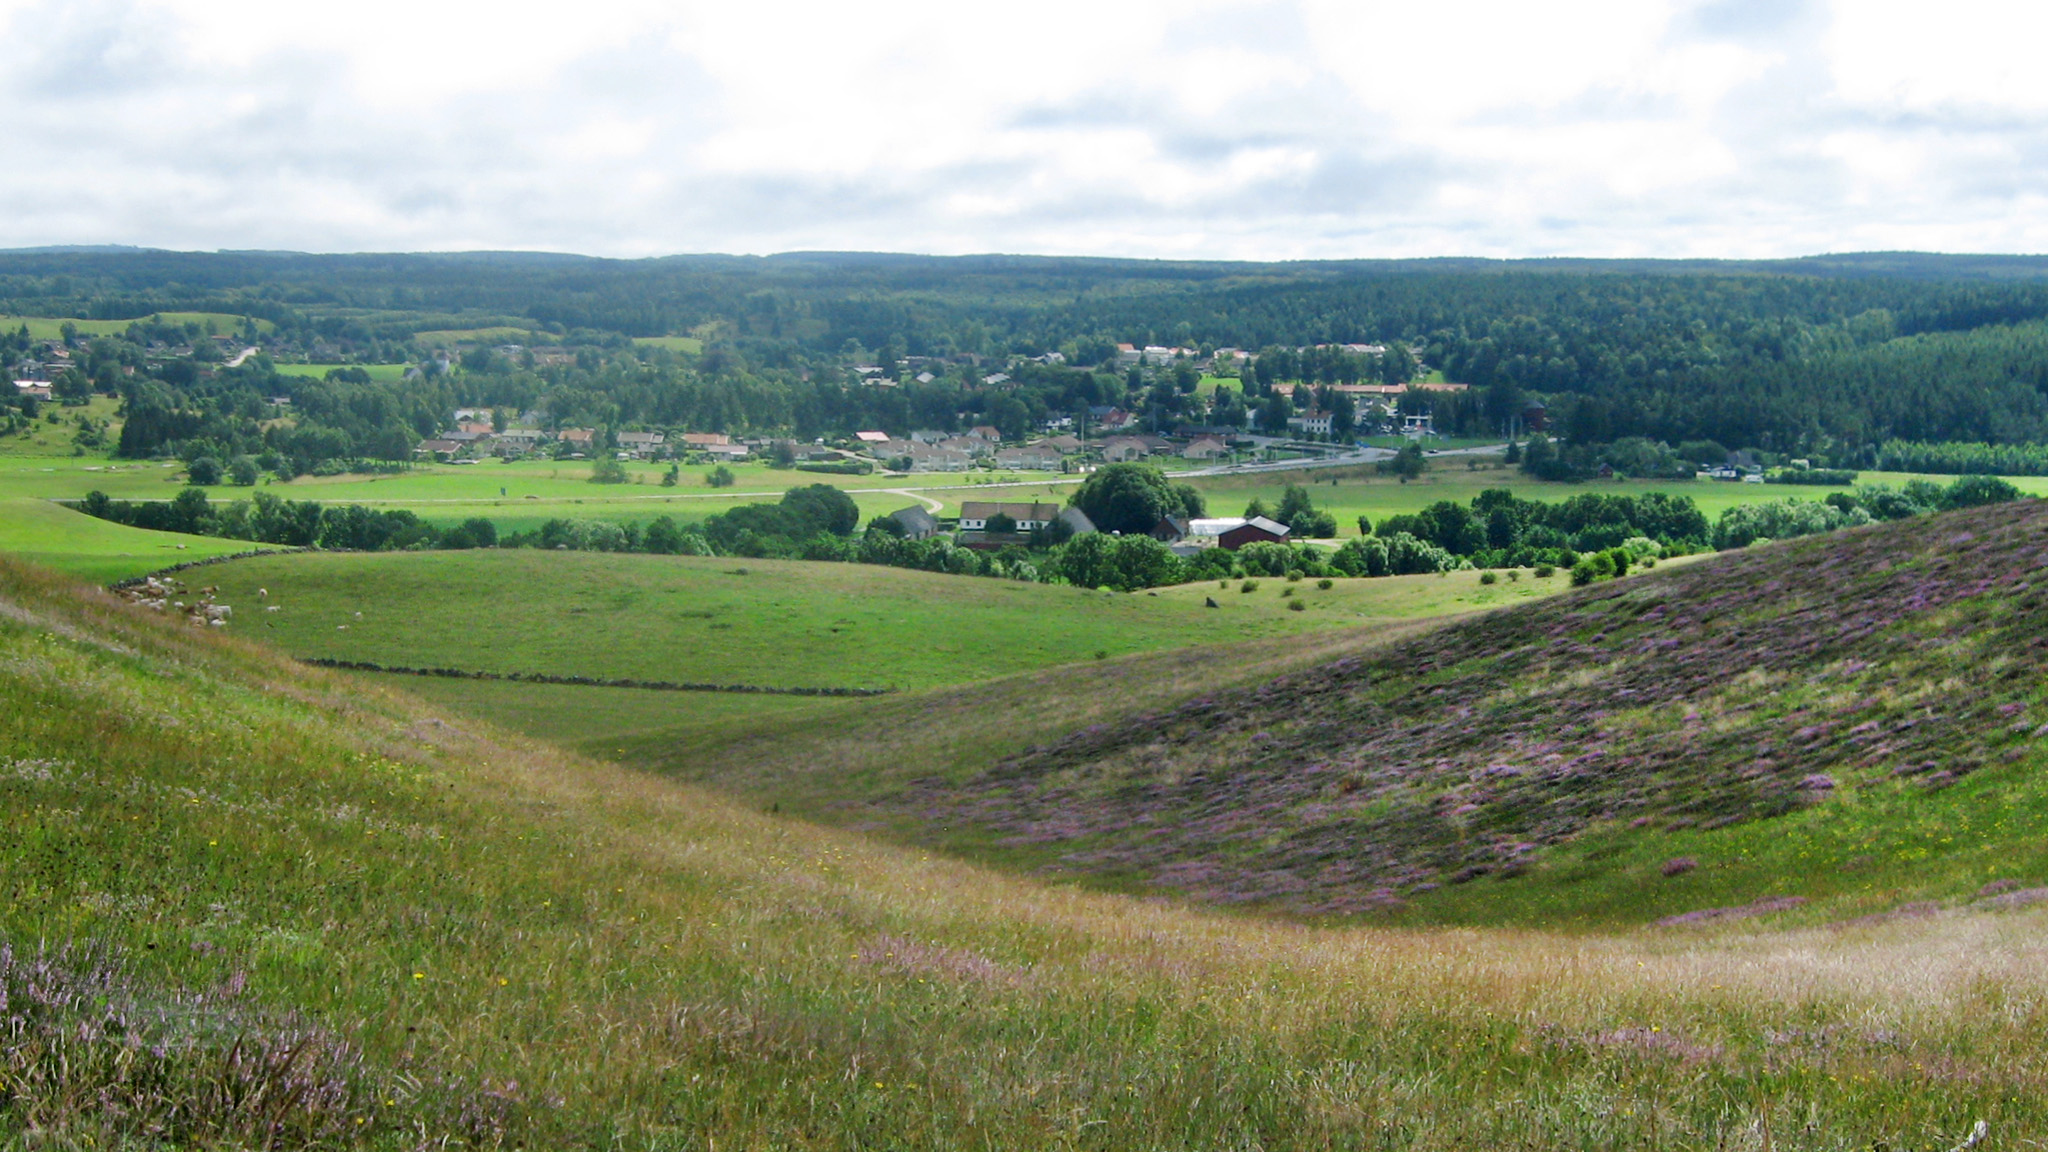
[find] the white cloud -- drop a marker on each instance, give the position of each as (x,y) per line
(1293,128)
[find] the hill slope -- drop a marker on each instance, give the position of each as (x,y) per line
(1875,691)
(250,904)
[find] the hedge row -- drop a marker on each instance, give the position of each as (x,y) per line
(586,681)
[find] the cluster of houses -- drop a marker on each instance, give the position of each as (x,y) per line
(989,524)
(476,433)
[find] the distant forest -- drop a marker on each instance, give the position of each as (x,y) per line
(1831,358)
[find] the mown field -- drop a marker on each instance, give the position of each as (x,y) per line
(250,904)
(52,328)
(320,371)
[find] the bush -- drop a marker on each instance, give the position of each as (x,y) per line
(1326,584)
(1488,578)
(1583,573)
(1297,606)
(1545,571)
(721,477)
(608,471)
(203,471)
(1248,586)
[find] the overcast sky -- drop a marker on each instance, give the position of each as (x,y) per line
(1304,129)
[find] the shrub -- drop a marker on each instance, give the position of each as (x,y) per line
(1297,605)
(1583,573)
(608,471)
(1248,586)
(720,477)
(1545,571)
(1326,584)
(205,471)
(1286,592)
(1294,576)
(1488,578)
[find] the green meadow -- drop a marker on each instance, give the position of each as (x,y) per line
(293,909)
(52,328)
(51,536)
(449,337)
(320,371)
(690,344)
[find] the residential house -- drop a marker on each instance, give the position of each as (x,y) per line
(995,378)
(986,432)
(1061,444)
(1170,529)
(917,523)
(727,451)
(973,446)
(872,437)
(641,444)
(476,427)
(931,458)
(975,514)
(1123,449)
(578,437)
(1037,457)
(1206,448)
(1312,423)
(698,440)
(1077,521)
(929,435)
(36,388)
(438,448)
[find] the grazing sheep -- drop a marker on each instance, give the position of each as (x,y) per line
(263,593)
(271,608)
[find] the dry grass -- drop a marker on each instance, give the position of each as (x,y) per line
(532,948)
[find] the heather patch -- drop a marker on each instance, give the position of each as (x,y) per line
(1747,688)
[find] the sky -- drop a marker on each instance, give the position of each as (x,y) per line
(1304,129)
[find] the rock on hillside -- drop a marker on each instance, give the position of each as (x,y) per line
(1900,656)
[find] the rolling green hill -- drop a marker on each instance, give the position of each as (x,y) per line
(251,904)
(1846,724)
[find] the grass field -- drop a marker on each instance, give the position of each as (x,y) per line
(52,328)
(713,620)
(460,938)
(449,337)
(59,439)
(320,371)
(782,624)
(689,344)
(39,532)
(1537,767)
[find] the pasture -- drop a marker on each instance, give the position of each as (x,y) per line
(320,371)
(54,537)
(456,934)
(52,327)
(690,344)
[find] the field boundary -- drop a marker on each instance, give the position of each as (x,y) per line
(206,562)
(584,681)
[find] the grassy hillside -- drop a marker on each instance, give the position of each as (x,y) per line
(1852,721)
(38,532)
(770,623)
(252,904)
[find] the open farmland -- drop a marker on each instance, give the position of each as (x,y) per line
(52,327)
(320,371)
